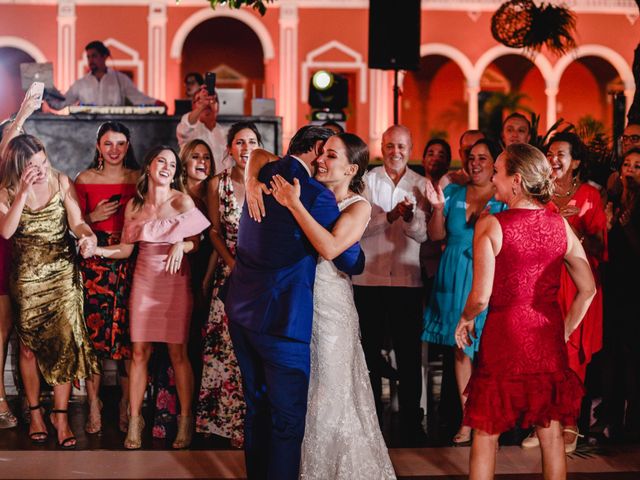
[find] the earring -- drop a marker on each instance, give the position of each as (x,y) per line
(513,190)
(100,162)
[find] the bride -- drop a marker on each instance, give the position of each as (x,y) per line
(342,436)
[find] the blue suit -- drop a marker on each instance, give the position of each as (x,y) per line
(269,302)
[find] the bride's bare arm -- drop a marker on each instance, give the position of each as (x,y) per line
(253,187)
(329,244)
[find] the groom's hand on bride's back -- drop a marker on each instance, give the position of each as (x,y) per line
(254,190)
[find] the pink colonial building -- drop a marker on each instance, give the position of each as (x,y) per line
(158,41)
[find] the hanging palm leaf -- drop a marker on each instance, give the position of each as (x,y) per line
(523,24)
(259,5)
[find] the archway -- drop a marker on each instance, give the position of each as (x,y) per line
(585,88)
(433,102)
(510,82)
(10,80)
(232,49)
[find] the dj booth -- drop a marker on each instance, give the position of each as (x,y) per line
(70,139)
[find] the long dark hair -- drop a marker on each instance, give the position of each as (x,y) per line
(142,186)
(237,127)
(357,154)
(117,127)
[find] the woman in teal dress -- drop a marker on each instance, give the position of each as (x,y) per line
(455,212)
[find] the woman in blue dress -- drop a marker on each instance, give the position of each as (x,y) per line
(455,212)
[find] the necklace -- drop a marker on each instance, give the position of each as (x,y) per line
(569,192)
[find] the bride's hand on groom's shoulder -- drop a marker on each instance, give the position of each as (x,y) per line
(254,189)
(285,193)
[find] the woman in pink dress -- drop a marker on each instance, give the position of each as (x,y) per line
(166,225)
(523,374)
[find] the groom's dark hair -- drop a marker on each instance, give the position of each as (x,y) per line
(306,138)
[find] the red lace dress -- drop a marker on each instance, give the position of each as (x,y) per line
(523,376)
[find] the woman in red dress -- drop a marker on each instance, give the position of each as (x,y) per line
(103,191)
(523,374)
(581,204)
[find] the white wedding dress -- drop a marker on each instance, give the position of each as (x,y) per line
(342,437)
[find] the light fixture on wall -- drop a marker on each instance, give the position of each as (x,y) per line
(328,96)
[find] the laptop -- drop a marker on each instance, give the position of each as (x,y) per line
(36,72)
(231,101)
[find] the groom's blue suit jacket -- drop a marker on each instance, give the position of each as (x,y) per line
(270,290)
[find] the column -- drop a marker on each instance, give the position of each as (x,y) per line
(380,108)
(288,91)
(552,106)
(66,44)
(157,62)
(473,89)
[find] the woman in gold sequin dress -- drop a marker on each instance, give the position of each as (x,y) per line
(38,210)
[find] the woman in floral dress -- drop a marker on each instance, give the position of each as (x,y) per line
(221,406)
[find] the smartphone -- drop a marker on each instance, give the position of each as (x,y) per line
(37,89)
(210,82)
(115,198)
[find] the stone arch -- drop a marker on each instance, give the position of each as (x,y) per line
(614,58)
(452,53)
(24,45)
(498,51)
(207,13)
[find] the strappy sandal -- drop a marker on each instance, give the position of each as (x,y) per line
(7,419)
(460,440)
(38,438)
(134,433)
(65,444)
(94,419)
(571,447)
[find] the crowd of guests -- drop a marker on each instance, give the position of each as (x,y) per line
(127,261)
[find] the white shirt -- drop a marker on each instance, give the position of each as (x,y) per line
(216,139)
(112,89)
(392,250)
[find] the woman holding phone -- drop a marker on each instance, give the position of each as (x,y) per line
(103,191)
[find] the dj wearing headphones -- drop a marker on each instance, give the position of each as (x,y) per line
(102,85)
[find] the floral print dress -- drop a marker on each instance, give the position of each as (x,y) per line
(220,409)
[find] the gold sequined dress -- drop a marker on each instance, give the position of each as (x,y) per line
(47,291)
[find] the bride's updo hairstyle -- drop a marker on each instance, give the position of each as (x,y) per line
(534,169)
(357,154)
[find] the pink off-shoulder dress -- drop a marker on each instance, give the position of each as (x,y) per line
(160,303)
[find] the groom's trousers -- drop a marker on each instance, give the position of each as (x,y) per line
(275,379)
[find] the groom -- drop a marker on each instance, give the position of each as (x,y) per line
(270,308)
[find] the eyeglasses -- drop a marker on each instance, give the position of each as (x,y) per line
(630,138)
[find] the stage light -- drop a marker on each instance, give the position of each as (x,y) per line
(322,80)
(328,92)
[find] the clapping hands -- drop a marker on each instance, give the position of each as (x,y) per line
(403,209)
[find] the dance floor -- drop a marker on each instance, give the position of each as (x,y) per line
(619,463)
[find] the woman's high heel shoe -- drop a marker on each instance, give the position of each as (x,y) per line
(134,433)
(571,447)
(185,430)
(94,420)
(7,419)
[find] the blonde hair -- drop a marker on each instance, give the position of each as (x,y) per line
(533,168)
(16,159)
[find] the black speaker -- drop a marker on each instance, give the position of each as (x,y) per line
(394,34)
